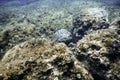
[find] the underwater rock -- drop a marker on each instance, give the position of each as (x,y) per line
(97,14)
(97,56)
(21,31)
(4,40)
(84,27)
(13,35)
(40,59)
(62,35)
(115,24)
(114,73)
(100,48)
(90,19)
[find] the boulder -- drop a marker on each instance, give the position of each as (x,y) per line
(62,35)
(83,27)
(101,52)
(40,59)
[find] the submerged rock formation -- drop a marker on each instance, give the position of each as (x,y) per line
(90,19)
(41,60)
(95,57)
(90,51)
(23,31)
(83,27)
(62,35)
(101,50)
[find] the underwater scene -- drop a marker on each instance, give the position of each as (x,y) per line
(59,39)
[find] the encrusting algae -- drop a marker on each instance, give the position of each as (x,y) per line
(101,49)
(39,59)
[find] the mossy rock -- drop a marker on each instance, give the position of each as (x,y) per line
(40,59)
(100,49)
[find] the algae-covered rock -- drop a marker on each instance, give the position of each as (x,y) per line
(21,31)
(84,27)
(114,72)
(100,48)
(23,26)
(40,59)
(115,24)
(13,36)
(90,19)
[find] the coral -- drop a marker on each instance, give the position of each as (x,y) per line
(40,59)
(99,48)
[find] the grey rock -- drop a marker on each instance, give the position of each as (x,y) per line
(84,27)
(62,35)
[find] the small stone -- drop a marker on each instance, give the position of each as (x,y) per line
(62,35)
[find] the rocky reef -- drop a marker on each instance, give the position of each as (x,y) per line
(60,45)
(94,57)
(23,31)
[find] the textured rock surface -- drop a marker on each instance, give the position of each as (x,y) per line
(84,27)
(41,60)
(23,31)
(62,35)
(101,49)
(115,24)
